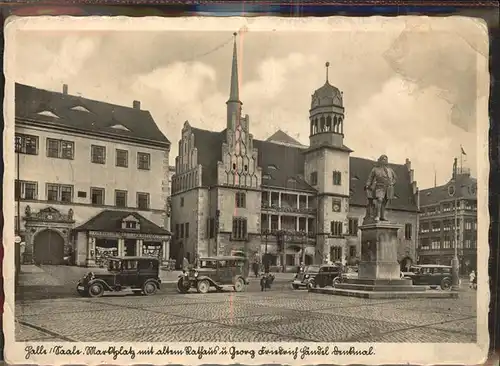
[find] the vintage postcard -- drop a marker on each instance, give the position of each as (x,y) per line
(246,190)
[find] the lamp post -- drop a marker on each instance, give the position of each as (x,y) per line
(454,262)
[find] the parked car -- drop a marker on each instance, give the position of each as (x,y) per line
(303,278)
(139,274)
(432,275)
(325,276)
(348,272)
(217,272)
(410,272)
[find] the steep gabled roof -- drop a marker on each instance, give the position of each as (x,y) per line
(110,221)
(464,186)
(100,118)
(283,167)
(283,137)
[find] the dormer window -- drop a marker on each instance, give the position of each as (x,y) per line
(48,114)
(120,127)
(130,223)
(80,109)
(272,167)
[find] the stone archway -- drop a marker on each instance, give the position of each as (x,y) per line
(48,247)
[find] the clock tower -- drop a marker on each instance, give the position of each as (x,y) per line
(327,170)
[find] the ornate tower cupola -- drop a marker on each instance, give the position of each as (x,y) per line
(234,104)
(326,115)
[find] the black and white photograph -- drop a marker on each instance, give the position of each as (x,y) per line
(246,190)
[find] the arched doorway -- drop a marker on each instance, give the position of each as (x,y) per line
(48,248)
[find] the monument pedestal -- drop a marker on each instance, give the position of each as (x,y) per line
(379,271)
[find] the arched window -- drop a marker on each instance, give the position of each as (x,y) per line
(329,126)
(322,124)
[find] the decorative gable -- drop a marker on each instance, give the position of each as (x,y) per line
(120,127)
(131,222)
(48,114)
(80,109)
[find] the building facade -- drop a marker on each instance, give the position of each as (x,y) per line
(296,203)
(87,184)
(448,219)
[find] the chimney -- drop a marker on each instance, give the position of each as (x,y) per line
(137,104)
(65,89)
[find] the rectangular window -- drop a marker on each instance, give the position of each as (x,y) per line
(314,178)
(182,201)
(336,228)
(97,196)
(337,178)
(143,161)
(239,228)
(143,200)
(352,251)
(408,231)
(26,190)
(120,198)
(177,231)
(59,192)
(182,231)
(186,229)
(60,149)
(336,254)
(446,242)
(122,158)
(98,154)
(26,144)
(241,199)
(211,228)
(436,227)
(353,226)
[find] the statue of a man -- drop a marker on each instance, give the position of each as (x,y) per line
(380,189)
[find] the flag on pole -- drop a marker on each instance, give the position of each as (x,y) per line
(463,151)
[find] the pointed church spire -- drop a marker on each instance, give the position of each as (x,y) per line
(234,94)
(327,66)
(234,104)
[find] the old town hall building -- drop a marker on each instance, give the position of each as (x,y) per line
(231,192)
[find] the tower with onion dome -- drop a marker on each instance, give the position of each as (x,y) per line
(327,170)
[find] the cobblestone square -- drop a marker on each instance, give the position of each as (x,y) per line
(278,316)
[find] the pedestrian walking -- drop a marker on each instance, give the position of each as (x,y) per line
(185,264)
(472,278)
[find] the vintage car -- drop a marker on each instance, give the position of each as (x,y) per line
(303,278)
(326,275)
(432,275)
(139,274)
(217,272)
(348,273)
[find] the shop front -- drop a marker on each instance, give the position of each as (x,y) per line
(133,235)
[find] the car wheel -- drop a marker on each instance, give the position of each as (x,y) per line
(311,284)
(294,286)
(96,290)
(335,281)
(239,285)
(149,288)
(203,286)
(181,288)
(446,284)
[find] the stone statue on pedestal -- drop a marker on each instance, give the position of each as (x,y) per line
(379,190)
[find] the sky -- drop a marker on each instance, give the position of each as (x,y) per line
(410,90)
